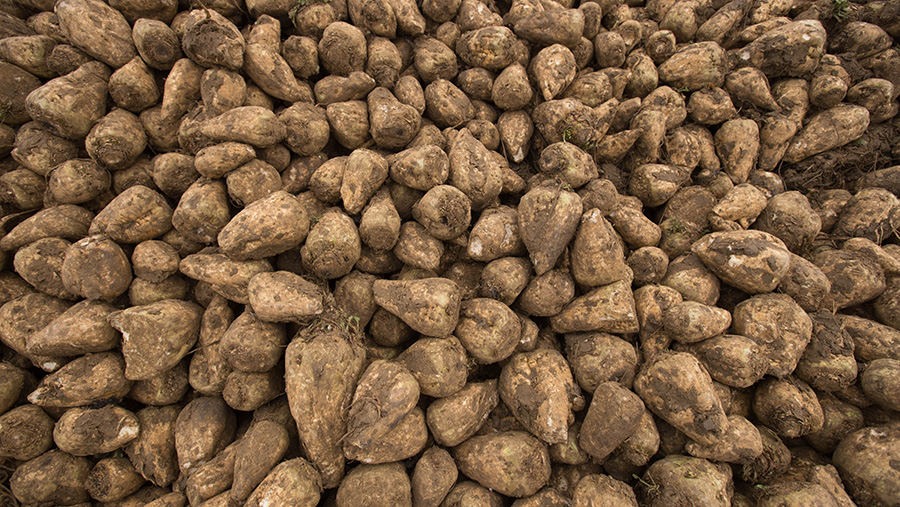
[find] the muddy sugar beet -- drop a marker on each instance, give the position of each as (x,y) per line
(449,252)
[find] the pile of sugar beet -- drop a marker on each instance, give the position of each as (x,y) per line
(449,252)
